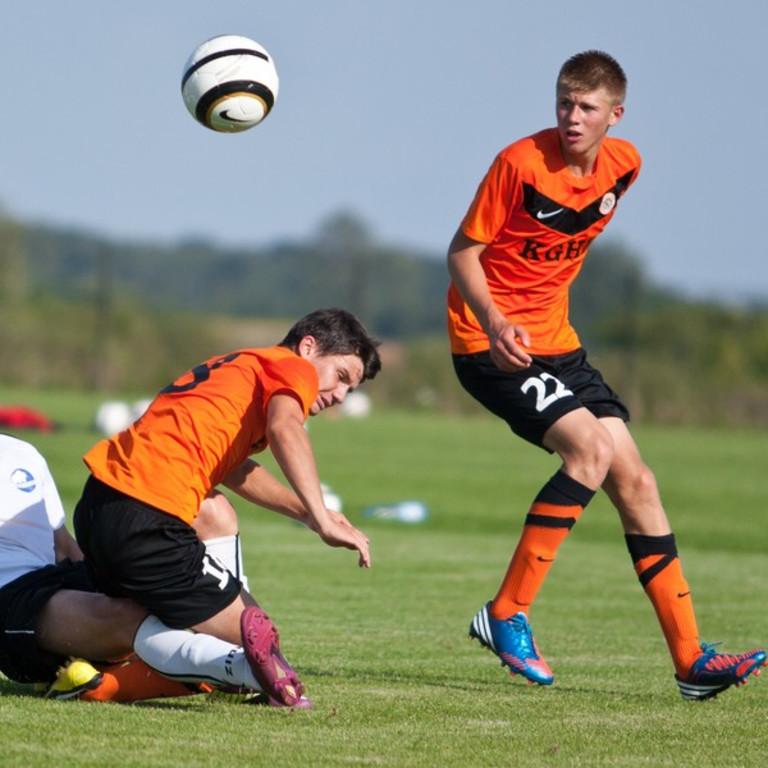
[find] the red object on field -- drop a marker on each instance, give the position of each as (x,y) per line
(22,417)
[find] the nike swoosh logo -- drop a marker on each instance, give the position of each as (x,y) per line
(541,215)
(683,594)
(545,559)
(225,114)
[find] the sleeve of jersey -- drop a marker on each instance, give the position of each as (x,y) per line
(292,376)
(631,158)
(494,199)
(53,506)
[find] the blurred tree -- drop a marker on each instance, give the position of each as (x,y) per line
(13,283)
(345,242)
(153,311)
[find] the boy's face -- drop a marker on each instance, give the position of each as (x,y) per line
(583,119)
(337,374)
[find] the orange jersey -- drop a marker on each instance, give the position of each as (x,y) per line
(198,429)
(538,221)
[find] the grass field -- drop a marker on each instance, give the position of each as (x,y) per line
(384,653)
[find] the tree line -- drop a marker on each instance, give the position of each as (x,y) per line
(80,310)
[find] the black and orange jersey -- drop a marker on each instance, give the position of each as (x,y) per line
(201,427)
(538,221)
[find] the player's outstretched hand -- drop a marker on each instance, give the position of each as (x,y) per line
(508,343)
(339,532)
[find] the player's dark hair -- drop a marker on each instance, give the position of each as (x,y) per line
(337,332)
(590,70)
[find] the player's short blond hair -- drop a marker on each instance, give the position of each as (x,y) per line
(590,70)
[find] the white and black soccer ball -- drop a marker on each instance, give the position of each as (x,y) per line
(229,83)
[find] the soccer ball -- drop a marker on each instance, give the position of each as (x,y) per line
(229,83)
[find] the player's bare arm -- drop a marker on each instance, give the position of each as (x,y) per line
(507,340)
(256,484)
(259,486)
(290,445)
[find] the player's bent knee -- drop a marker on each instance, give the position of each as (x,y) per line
(216,517)
(589,457)
(634,488)
(644,484)
(602,444)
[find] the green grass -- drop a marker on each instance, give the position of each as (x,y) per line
(384,653)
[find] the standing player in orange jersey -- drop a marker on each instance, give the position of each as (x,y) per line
(134,519)
(512,260)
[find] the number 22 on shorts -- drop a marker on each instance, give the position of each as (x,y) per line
(541,384)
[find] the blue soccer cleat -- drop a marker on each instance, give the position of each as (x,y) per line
(713,672)
(512,641)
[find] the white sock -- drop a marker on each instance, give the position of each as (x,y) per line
(192,657)
(227,550)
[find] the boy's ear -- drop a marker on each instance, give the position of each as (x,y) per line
(617,113)
(307,347)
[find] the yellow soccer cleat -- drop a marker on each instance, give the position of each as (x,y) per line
(73,679)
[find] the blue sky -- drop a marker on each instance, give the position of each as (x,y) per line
(390,110)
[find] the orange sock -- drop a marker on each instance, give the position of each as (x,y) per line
(658,567)
(133,680)
(552,515)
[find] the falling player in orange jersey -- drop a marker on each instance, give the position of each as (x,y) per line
(134,521)
(520,246)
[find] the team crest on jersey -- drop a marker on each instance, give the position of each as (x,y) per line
(23,480)
(607,203)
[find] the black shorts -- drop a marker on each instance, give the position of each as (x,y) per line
(532,400)
(20,602)
(155,558)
